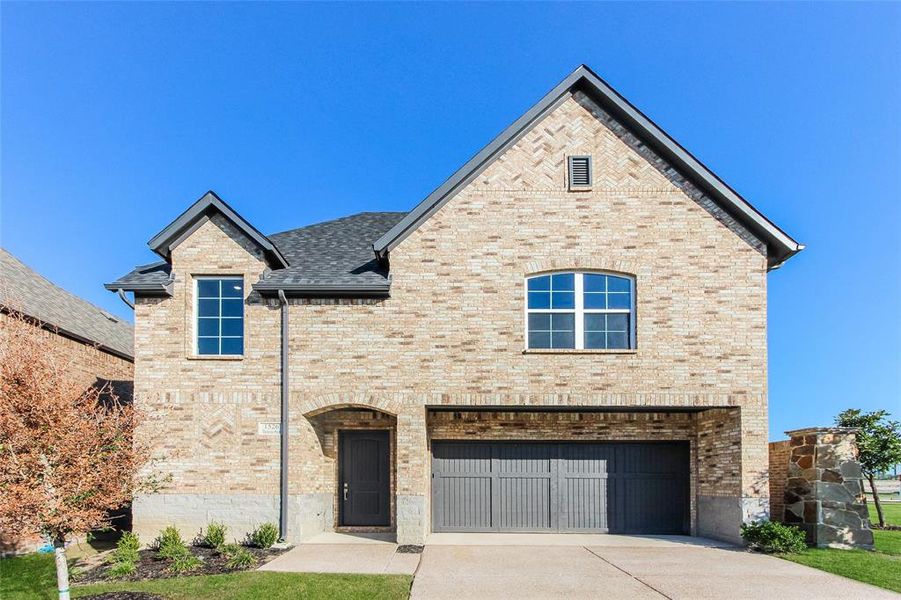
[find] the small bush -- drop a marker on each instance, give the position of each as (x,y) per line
(240,559)
(229,550)
(264,536)
(184,562)
(127,548)
(214,536)
(769,536)
(121,569)
(170,543)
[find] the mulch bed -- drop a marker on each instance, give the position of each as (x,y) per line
(152,566)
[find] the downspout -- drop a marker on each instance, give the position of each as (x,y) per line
(283,425)
(125,299)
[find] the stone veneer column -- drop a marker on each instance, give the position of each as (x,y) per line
(412,476)
(824,491)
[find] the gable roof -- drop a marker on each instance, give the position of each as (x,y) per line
(780,246)
(196,215)
(26,290)
(326,259)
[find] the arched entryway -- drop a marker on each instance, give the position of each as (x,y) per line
(358,446)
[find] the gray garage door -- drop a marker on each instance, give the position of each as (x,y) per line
(585,487)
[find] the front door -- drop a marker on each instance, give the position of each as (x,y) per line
(364,478)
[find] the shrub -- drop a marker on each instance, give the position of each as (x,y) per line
(184,562)
(214,536)
(240,559)
(170,543)
(121,569)
(769,536)
(264,536)
(127,548)
(229,550)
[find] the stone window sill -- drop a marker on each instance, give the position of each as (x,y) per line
(213,357)
(572,351)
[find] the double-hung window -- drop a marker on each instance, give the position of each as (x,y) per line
(220,316)
(580,311)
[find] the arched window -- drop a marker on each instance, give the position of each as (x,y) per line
(581,311)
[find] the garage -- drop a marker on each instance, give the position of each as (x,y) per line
(599,487)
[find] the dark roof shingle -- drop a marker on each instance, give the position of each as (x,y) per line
(26,290)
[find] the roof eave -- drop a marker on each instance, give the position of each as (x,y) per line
(147,289)
(324,291)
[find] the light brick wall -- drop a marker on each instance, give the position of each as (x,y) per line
(452,332)
(779,454)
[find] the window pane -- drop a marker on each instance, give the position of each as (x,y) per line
(208,308)
(563,300)
(564,281)
(233,327)
(232,345)
(540,283)
(595,283)
(594,322)
(208,327)
(208,288)
(617,340)
(539,322)
(617,284)
(539,300)
(618,322)
(232,288)
(539,339)
(232,308)
(618,301)
(207,345)
(594,340)
(595,300)
(565,322)
(563,339)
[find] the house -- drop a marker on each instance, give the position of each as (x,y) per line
(569,334)
(94,344)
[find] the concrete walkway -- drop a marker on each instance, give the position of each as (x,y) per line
(346,553)
(618,567)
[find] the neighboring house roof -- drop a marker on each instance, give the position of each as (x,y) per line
(199,213)
(25,290)
(780,246)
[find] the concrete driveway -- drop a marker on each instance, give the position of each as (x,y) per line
(613,567)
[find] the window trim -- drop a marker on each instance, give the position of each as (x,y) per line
(196,319)
(580,312)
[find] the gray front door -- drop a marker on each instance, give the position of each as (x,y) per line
(364,478)
(586,487)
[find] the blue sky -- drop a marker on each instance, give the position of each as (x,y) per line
(116,116)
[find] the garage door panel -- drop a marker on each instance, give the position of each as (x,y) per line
(584,504)
(588,487)
(524,503)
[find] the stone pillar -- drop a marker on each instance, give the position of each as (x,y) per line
(824,491)
(412,476)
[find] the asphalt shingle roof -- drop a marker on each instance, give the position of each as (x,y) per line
(23,289)
(334,253)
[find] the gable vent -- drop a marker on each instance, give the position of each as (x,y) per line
(579,172)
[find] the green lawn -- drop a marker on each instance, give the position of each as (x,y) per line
(33,576)
(892,512)
(882,567)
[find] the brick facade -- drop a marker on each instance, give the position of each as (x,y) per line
(452,335)
(779,454)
